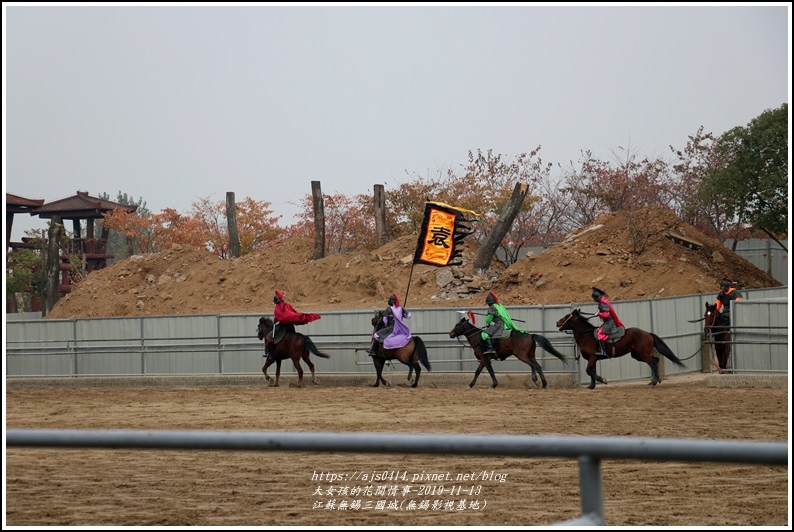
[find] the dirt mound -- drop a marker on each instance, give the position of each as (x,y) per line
(630,255)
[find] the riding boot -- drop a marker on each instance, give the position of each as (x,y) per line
(602,346)
(488,347)
(269,349)
(373,348)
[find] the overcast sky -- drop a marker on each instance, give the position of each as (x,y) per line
(176,103)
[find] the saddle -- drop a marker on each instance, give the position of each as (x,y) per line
(613,337)
(280,333)
(502,334)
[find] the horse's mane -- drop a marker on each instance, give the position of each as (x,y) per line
(471,325)
(577,314)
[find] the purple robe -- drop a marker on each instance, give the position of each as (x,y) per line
(401,334)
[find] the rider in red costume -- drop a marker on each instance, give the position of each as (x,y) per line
(285,319)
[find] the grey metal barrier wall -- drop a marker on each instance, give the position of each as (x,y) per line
(227,344)
(589,451)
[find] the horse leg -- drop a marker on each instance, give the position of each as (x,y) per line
(268,361)
(489,367)
(418,370)
(379,363)
(278,372)
(536,366)
(724,355)
(477,373)
(529,360)
(308,361)
(296,361)
(594,377)
(655,377)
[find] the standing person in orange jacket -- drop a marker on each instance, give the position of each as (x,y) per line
(727,294)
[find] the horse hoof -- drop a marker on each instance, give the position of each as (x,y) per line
(592,386)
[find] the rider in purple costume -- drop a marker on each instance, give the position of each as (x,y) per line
(396,333)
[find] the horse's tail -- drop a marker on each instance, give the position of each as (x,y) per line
(662,347)
(313,348)
(544,342)
(422,350)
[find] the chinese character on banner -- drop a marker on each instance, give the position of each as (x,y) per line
(443,230)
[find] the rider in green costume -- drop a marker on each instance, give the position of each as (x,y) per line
(497,321)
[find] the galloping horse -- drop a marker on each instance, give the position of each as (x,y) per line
(411,354)
(636,341)
(294,345)
(720,336)
(522,345)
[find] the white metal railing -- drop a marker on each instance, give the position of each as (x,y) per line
(589,451)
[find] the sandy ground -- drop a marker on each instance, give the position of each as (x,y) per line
(89,487)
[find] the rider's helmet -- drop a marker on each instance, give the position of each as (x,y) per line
(725,283)
(278,297)
(393,300)
(597,294)
(491,298)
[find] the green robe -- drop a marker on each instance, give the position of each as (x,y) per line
(508,322)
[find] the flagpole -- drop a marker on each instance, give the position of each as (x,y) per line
(405,299)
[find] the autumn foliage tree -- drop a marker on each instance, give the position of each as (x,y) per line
(693,165)
(349,222)
(698,184)
(203,227)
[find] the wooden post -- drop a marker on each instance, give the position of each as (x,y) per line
(231,224)
(380,216)
(483,257)
(319,221)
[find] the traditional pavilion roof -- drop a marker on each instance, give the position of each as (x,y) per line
(18,204)
(80,207)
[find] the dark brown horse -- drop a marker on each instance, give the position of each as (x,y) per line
(720,336)
(521,345)
(636,341)
(293,345)
(411,354)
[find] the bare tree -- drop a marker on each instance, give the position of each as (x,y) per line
(482,260)
(319,221)
(380,216)
(231,224)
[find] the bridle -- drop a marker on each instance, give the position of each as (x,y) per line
(475,330)
(566,319)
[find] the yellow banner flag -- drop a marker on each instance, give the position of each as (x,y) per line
(443,230)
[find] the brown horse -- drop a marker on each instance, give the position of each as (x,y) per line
(720,336)
(411,354)
(635,341)
(522,345)
(293,345)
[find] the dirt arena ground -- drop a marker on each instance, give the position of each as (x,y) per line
(90,487)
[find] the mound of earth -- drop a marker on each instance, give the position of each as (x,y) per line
(630,255)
